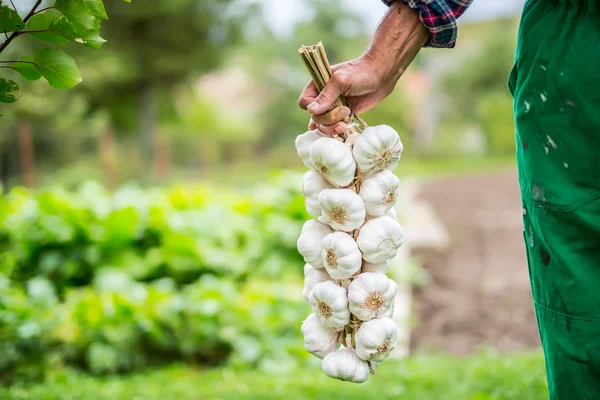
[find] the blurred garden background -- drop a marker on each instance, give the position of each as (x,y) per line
(149,216)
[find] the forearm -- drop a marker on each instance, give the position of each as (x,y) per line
(397,41)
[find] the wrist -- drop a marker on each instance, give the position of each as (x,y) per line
(398,39)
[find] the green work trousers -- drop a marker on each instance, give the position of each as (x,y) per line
(555,84)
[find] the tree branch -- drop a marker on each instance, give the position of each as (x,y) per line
(15,34)
(18,61)
(42,10)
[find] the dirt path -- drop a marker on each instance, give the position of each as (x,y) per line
(479,294)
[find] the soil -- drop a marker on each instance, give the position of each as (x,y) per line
(479,295)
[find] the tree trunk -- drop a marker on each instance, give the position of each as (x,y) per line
(162,157)
(108,155)
(26,153)
(147,126)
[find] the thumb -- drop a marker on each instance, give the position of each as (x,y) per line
(327,97)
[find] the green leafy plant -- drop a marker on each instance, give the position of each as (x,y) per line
(75,21)
(145,276)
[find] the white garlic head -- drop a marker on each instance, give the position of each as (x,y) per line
(330,304)
(312,276)
(333,159)
(379,239)
(340,255)
(380,192)
(345,365)
(376,339)
(313,183)
(342,209)
(371,295)
(376,267)
(310,242)
(303,143)
(319,340)
(377,148)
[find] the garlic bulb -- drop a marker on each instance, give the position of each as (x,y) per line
(376,267)
(303,143)
(312,276)
(376,339)
(377,148)
(333,159)
(380,192)
(342,209)
(371,295)
(340,255)
(310,242)
(330,304)
(319,340)
(345,365)
(379,239)
(313,184)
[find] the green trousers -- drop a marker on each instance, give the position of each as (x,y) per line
(555,83)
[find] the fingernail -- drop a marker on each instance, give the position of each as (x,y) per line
(339,127)
(312,106)
(344,112)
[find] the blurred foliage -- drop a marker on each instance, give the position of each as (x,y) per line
(484,376)
(141,277)
(477,87)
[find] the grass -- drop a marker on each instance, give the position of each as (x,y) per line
(485,376)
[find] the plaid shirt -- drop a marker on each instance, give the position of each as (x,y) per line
(439,16)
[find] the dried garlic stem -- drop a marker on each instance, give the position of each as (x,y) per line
(318,66)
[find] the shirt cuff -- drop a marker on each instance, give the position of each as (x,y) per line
(439,18)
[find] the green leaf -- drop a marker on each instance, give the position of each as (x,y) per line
(79,15)
(61,30)
(7,88)
(10,21)
(57,67)
(27,70)
(97,8)
(43,21)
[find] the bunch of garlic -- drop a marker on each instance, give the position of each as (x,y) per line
(351,192)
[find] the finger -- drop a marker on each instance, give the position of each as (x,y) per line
(308,96)
(331,117)
(335,129)
(334,88)
(312,125)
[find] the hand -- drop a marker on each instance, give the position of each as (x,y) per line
(359,81)
(369,79)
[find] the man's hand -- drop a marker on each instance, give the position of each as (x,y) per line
(369,79)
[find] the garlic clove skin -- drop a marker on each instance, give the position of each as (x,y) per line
(380,192)
(312,276)
(340,255)
(342,209)
(345,365)
(319,340)
(371,295)
(310,242)
(377,267)
(377,148)
(303,143)
(376,339)
(333,159)
(313,183)
(392,214)
(330,304)
(379,239)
